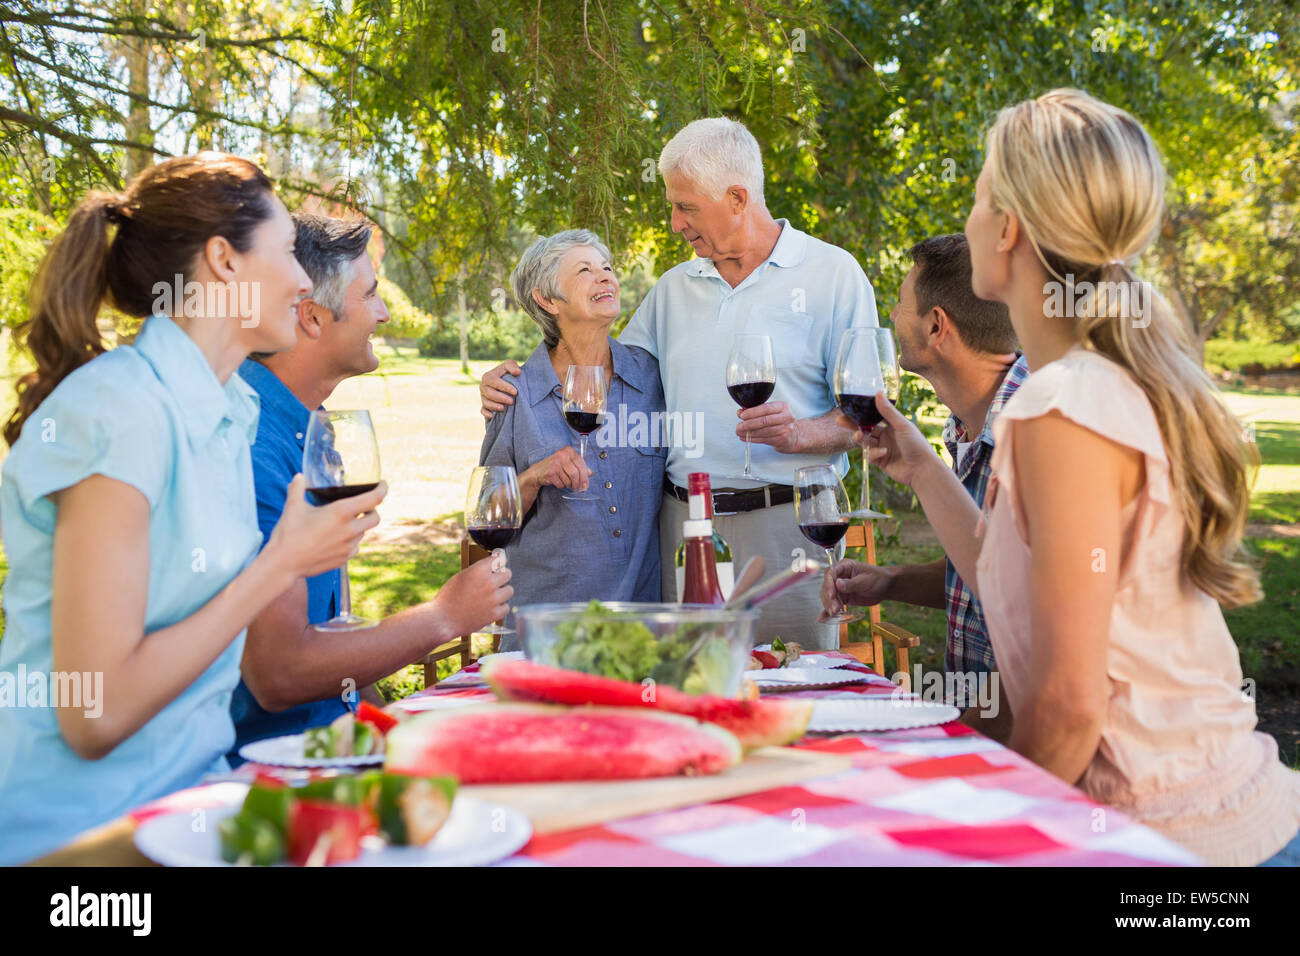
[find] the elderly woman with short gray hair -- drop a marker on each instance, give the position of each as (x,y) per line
(574,550)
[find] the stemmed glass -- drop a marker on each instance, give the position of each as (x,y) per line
(751,378)
(867,363)
(821,507)
(585,396)
(340,458)
(493,514)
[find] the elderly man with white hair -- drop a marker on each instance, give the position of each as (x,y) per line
(752,274)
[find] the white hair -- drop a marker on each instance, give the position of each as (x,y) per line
(539,269)
(716,154)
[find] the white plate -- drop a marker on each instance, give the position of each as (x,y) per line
(877,713)
(504,655)
(476,833)
(416,705)
(286,751)
(802,678)
(821,660)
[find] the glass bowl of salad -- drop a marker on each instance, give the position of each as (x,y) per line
(695,648)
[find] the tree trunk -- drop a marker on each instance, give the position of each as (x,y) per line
(136,52)
(464,327)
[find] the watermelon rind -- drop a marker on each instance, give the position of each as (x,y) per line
(756,723)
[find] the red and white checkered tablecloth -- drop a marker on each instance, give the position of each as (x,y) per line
(935,796)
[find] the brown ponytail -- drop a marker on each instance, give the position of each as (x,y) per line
(163,221)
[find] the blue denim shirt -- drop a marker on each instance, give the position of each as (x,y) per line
(578,550)
(277,457)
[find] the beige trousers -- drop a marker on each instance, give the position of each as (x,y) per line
(772,534)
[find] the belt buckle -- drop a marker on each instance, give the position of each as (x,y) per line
(723,514)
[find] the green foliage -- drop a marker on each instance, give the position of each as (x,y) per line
(1227,355)
(491,335)
(405,321)
(24,235)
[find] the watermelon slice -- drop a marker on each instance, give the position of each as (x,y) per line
(523,743)
(756,723)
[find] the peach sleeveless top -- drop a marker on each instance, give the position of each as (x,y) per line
(1178,749)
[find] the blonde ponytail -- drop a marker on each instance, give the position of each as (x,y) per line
(1087,184)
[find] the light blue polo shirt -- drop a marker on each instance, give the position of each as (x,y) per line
(805,295)
(152,415)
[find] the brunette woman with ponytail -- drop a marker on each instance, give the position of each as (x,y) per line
(1112,536)
(127,500)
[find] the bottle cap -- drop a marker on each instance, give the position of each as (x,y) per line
(698,482)
(699,528)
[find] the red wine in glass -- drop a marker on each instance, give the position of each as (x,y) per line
(491,538)
(821,509)
(751,394)
(329,494)
(585,397)
(493,514)
(340,459)
(584,423)
(751,378)
(861,409)
(867,363)
(825,534)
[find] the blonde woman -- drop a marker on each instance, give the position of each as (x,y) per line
(1111,536)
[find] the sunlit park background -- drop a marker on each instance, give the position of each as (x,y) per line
(462,130)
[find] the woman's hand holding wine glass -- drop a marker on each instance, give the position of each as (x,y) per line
(899,450)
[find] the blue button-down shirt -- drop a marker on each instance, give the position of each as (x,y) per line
(578,550)
(804,296)
(969,648)
(277,457)
(154,416)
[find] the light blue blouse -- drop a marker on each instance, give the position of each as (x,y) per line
(152,415)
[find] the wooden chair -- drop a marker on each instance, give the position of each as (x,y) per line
(871,652)
(460,646)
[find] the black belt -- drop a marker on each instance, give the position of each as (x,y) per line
(727,502)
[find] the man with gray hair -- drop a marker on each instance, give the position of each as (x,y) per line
(294,677)
(752,273)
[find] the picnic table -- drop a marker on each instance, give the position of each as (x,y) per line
(933,796)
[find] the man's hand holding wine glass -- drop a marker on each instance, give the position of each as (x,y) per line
(770,424)
(313,539)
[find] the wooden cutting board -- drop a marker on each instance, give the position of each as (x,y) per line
(564,806)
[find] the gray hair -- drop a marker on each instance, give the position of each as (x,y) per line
(538,268)
(716,154)
(326,248)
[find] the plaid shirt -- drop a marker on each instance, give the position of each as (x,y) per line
(969,650)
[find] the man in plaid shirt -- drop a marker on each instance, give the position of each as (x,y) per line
(965,347)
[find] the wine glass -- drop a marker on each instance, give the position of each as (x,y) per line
(751,378)
(493,514)
(867,363)
(585,396)
(340,458)
(821,507)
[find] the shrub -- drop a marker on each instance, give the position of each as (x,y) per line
(491,335)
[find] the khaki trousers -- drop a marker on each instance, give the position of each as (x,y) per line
(772,534)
